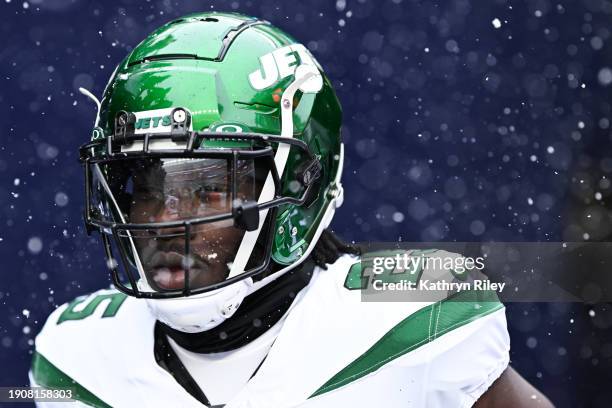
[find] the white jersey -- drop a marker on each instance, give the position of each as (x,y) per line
(331,349)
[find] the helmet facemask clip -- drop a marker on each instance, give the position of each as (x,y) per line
(180,122)
(124,125)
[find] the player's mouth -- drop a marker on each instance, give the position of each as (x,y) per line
(168,269)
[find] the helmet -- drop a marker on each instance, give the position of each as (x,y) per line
(214,165)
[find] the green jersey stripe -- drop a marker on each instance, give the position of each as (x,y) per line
(49,376)
(416,330)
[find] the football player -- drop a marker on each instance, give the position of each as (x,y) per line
(212,174)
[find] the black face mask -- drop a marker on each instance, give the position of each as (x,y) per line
(176,217)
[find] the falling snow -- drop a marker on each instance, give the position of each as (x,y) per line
(462,122)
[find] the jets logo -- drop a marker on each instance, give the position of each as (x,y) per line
(279,64)
(153,121)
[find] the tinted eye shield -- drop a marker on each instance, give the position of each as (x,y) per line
(262,148)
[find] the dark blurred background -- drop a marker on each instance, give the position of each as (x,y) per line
(464,120)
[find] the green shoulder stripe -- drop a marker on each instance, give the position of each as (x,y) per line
(416,330)
(49,376)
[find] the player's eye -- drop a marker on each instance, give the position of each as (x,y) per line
(211,196)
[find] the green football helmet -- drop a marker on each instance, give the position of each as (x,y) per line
(215,160)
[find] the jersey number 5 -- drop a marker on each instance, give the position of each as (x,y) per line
(115,300)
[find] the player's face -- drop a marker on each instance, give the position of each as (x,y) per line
(183,190)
